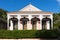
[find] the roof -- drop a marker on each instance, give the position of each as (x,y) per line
(30,12)
(30,7)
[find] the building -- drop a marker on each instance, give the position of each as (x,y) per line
(29,18)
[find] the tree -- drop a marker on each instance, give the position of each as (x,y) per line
(3,14)
(56,19)
(3,19)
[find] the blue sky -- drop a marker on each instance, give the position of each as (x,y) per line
(45,5)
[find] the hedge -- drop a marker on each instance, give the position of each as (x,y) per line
(28,34)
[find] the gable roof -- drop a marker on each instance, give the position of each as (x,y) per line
(30,7)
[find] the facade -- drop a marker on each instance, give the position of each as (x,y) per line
(29,18)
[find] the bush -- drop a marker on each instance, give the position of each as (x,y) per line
(28,33)
(47,34)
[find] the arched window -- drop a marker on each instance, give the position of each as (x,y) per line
(44,20)
(24,21)
(34,22)
(15,23)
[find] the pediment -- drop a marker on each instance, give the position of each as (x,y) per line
(30,7)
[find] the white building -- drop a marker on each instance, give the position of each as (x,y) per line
(29,18)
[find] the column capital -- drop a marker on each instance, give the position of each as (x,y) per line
(30,17)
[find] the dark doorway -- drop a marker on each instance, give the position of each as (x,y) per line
(24,21)
(15,23)
(34,22)
(44,20)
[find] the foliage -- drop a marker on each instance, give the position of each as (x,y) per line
(56,19)
(3,14)
(28,34)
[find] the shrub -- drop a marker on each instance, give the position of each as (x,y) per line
(28,33)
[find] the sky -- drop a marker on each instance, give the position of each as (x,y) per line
(44,5)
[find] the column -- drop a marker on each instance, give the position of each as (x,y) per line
(11,25)
(19,23)
(51,24)
(29,25)
(48,25)
(51,21)
(8,22)
(40,22)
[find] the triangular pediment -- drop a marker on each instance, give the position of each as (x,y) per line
(30,7)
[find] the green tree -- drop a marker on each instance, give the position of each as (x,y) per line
(3,14)
(56,19)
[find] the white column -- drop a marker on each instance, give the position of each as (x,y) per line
(29,25)
(40,22)
(51,16)
(19,24)
(48,25)
(11,25)
(7,24)
(8,21)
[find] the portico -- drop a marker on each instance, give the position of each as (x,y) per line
(29,18)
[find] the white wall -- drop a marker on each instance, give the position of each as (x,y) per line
(30,17)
